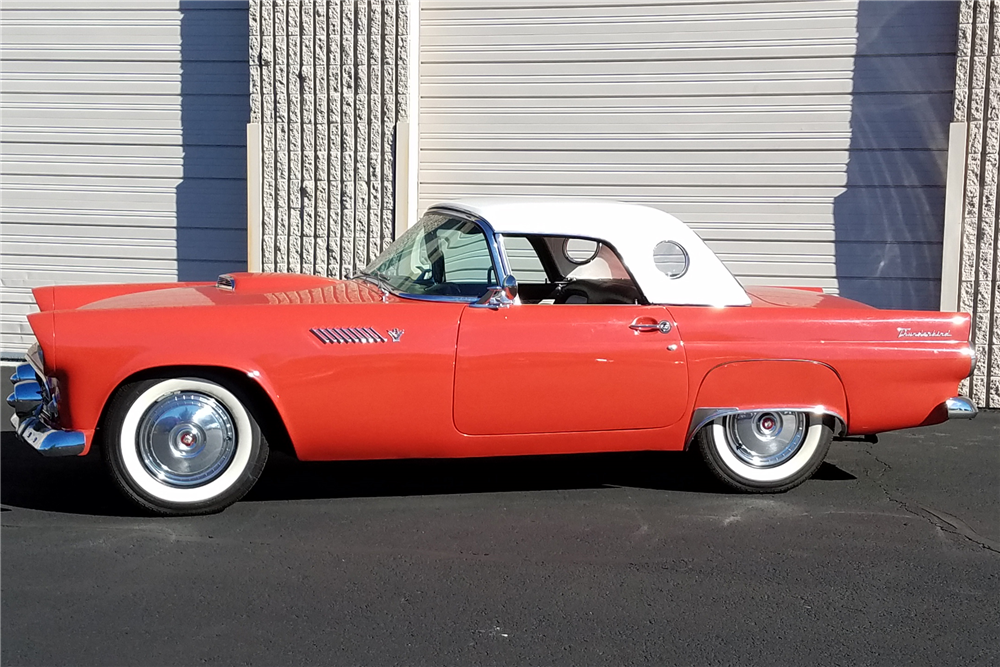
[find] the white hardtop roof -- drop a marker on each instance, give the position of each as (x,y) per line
(632,230)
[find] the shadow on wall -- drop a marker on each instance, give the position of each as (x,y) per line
(215,109)
(889,221)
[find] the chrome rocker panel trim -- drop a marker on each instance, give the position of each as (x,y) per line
(960,407)
(46,440)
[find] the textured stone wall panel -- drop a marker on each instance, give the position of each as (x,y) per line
(328,85)
(321,145)
(334,88)
(348,128)
(361,136)
(389,39)
(977,102)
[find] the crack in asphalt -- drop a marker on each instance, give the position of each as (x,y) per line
(941,520)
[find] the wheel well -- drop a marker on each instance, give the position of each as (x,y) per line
(258,401)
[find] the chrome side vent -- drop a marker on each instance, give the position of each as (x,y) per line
(348,335)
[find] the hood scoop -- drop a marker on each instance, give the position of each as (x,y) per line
(262,283)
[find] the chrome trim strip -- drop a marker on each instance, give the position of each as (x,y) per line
(702,416)
(46,440)
(960,407)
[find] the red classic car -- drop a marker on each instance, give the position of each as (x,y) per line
(490,328)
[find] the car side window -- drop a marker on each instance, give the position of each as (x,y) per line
(524,262)
(564,270)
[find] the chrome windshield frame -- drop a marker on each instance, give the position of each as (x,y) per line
(500,266)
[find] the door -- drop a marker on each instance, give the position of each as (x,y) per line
(562,368)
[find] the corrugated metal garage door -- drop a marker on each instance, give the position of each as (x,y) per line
(806,141)
(124,145)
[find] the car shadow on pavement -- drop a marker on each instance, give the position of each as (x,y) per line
(82,485)
(287,479)
(74,485)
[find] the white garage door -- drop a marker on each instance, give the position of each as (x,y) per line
(806,141)
(124,145)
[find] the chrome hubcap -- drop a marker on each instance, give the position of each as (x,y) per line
(186,439)
(765,439)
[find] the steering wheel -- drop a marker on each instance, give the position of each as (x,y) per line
(445,289)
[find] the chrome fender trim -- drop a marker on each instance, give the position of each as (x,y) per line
(703,416)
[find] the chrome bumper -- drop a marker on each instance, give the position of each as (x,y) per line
(30,398)
(960,407)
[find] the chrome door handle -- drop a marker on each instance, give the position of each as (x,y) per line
(662,326)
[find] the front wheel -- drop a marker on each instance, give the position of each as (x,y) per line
(182,446)
(766,451)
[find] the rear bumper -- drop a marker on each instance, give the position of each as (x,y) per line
(34,409)
(960,407)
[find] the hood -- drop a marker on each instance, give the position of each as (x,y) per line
(234,289)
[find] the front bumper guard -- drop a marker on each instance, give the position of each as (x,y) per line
(28,399)
(47,440)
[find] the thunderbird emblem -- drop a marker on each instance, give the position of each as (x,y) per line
(395,334)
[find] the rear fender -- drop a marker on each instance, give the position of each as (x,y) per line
(769,385)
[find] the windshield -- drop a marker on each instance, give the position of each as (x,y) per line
(441,255)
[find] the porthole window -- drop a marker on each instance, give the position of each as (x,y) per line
(671,259)
(580,251)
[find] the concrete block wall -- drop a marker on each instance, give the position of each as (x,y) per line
(977,103)
(328,84)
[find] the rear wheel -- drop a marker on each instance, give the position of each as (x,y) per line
(183,445)
(767,451)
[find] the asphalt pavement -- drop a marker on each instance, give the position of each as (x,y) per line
(891,555)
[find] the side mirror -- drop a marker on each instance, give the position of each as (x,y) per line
(509,288)
(499,297)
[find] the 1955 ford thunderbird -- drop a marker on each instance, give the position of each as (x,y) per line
(490,328)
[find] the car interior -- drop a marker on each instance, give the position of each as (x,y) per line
(563,270)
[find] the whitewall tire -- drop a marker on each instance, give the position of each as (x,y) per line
(183,445)
(767,451)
